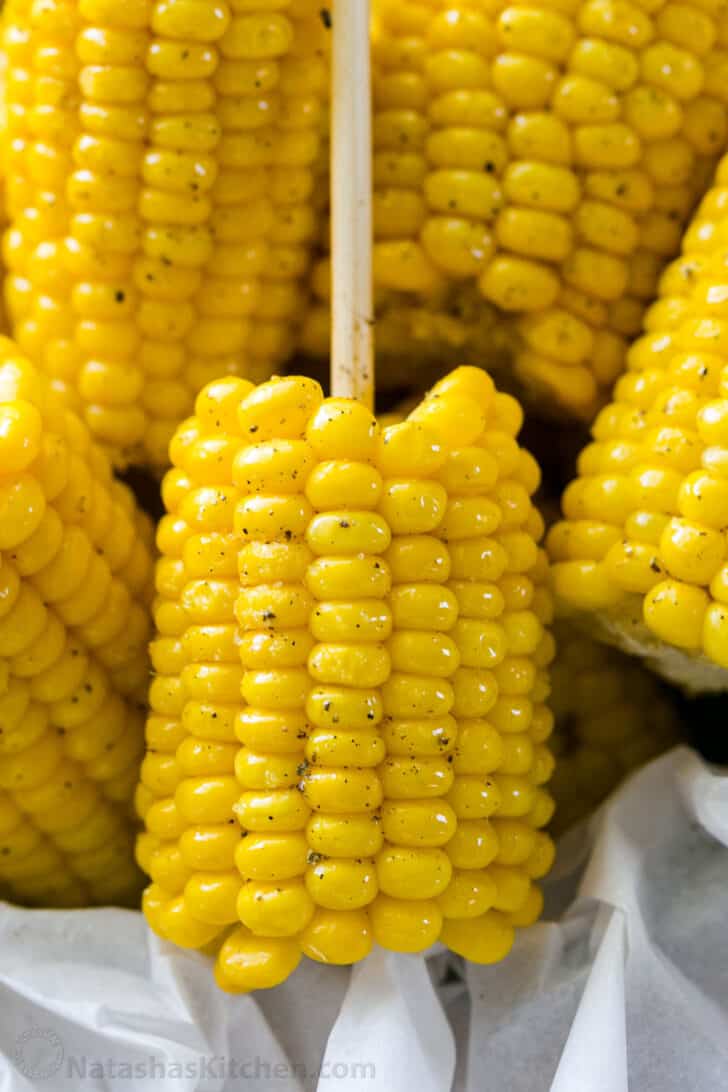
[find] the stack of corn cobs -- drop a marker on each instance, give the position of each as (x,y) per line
(354,677)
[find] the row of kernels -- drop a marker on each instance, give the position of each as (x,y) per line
(295,159)
(419,731)
(593,141)
(497,686)
(157,848)
(349,583)
(182,556)
(188,816)
(540,186)
(44,125)
(399,128)
(105,228)
(465,151)
(272,611)
(176,172)
(212,678)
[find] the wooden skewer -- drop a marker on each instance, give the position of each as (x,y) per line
(352,322)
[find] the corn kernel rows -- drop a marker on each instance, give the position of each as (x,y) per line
(550,156)
(75,569)
(611,717)
(643,541)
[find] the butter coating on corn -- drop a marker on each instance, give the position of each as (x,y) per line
(75,570)
(640,554)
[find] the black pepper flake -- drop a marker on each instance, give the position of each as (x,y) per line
(325,14)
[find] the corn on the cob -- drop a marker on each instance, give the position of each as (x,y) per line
(75,573)
(309,685)
(161,176)
(611,717)
(533,167)
(641,552)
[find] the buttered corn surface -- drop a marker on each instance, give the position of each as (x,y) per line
(347,736)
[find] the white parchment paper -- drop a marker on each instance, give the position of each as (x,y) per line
(624,986)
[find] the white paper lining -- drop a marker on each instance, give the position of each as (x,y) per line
(627,988)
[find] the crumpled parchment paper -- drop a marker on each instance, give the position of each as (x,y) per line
(623,986)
